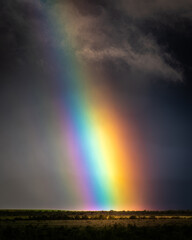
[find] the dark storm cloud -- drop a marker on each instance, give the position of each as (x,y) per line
(105,31)
(18,43)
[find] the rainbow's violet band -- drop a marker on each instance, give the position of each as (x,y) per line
(94,137)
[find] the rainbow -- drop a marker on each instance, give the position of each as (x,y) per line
(96,144)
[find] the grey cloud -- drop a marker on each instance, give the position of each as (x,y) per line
(111,35)
(99,31)
(150,8)
(23,33)
(147,62)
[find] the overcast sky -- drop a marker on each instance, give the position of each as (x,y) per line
(140,49)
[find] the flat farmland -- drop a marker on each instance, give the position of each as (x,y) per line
(42,224)
(98,223)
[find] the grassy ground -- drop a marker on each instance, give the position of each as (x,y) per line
(25,224)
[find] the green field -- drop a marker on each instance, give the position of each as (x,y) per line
(53,224)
